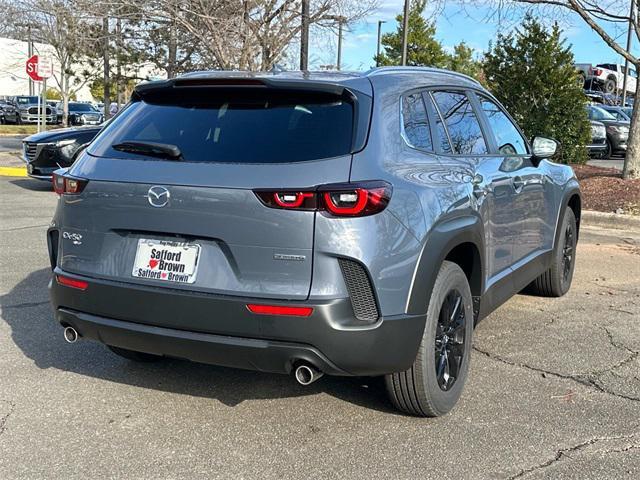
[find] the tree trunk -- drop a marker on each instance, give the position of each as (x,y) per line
(632,159)
(107,68)
(64,92)
(173,51)
(119,93)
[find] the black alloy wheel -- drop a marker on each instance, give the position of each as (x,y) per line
(450,338)
(568,249)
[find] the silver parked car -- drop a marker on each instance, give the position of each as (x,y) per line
(310,223)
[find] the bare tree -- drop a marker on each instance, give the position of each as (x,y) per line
(601,17)
(254,34)
(61,24)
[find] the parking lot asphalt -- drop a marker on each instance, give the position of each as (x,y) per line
(554,390)
(615,162)
(11,143)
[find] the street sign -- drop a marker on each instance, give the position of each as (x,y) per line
(45,67)
(39,68)
(32,69)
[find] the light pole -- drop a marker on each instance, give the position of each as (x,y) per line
(340,20)
(304,36)
(29,50)
(380,22)
(405,32)
(30,53)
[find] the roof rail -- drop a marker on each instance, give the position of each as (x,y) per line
(399,69)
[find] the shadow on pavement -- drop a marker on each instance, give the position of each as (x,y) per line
(33,184)
(27,311)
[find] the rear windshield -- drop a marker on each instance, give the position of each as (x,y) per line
(26,100)
(236,128)
(597,113)
(81,107)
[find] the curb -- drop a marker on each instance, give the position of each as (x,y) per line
(610,220)
(13,171)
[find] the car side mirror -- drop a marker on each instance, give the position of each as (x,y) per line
(543,147)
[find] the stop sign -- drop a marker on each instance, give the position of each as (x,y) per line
(32,69)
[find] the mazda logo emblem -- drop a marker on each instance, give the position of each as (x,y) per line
(158,196)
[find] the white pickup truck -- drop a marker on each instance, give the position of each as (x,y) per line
(609,77)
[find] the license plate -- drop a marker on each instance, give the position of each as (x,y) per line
(175,262)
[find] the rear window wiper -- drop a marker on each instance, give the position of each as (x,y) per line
(160,150)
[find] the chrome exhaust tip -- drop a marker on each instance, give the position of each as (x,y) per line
(70,335)
(307,374)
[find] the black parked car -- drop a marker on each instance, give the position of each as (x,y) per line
(617,131)
(48,151)
(8,112)
(82,114)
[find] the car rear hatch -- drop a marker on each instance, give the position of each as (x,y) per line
(193,221)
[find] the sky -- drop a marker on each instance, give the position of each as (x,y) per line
(454,25)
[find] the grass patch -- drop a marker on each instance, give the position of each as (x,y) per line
(22,129)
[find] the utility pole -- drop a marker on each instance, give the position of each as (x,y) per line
(626,60)
(304,36)
(405,32)
(30,54)
(380,22)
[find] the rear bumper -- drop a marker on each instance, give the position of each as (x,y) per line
(220,330)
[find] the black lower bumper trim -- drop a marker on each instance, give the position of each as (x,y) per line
(236,352)
(221,330)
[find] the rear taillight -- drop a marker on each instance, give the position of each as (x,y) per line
(338,200)
(597,72)
(64,184)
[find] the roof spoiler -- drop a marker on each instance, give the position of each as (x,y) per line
(238,82)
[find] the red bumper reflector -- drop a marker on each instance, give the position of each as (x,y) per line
(280,310)
(72,282)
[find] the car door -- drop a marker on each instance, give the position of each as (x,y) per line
(492,189)
(530,214)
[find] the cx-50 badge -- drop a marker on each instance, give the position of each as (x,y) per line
(76,238)
(158,196)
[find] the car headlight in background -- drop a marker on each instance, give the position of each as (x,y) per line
(598,131)
(64,143)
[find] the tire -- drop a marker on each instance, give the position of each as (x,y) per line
(418,391)
(556,281)
(609,85)
(134,356)
(608,153)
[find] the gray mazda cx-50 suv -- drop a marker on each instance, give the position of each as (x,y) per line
(310,223)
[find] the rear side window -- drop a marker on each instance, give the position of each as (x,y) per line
(461,122)
(508,138)
(246,127)
(415,122)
